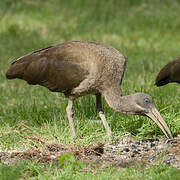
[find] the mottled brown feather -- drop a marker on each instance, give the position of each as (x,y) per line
(63,67)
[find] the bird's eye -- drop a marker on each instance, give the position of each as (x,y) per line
(146,100)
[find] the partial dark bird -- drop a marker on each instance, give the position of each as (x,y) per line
(169,73)
(79,68)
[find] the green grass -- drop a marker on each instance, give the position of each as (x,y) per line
(147,32)
(41,171)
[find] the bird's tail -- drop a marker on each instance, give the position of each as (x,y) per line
(18,68)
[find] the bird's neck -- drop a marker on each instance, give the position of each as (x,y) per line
(116,101)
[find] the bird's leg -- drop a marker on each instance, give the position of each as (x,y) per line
(70,114)
(101,115)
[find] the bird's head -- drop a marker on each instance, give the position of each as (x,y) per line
(143,105)
(139,104)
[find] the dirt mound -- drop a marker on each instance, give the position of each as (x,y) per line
(123,153)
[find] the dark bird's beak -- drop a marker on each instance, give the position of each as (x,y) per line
(157,118)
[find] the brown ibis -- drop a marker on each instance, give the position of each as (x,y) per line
(79,68)
(169,73)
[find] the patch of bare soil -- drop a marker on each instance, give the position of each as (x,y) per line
(124,153)
(147,151)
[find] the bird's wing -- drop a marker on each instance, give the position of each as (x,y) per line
(58,68)
(169,73)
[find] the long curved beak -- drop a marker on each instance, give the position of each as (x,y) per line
(157,118)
